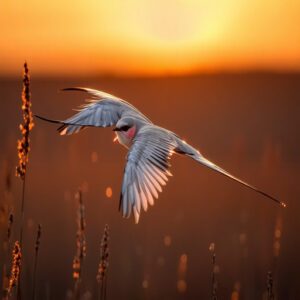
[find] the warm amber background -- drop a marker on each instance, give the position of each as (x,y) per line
(221,74)
(249,124)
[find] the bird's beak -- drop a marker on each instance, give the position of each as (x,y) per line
(116,129)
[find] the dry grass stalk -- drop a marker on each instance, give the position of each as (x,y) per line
(103,264)
(23,144)
(10,221)
(7,179)
(8,187)
(214,282)
(80,245)
(270,293)
(6,219)
(7,246)
(15,268)
(9,227)
(37,247)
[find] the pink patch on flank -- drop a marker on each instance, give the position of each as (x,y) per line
(131,132)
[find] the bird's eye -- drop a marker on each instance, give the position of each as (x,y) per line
(125,128)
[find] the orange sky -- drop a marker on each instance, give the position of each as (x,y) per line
(148,37)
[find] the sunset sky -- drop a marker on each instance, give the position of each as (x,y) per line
(139,37)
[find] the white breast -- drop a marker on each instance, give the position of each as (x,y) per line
(123,139)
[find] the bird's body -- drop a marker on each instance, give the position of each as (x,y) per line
(149,148)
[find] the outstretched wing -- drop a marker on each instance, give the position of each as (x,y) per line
(147,170)
(103,110)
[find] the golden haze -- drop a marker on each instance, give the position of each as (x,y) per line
(149,37)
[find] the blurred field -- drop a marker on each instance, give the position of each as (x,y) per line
(247,123)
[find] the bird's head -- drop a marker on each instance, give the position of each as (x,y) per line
(127,127)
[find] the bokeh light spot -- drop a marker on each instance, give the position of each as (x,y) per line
(181,286)
(145,284)
(167,240)
(108,192)
(94,157)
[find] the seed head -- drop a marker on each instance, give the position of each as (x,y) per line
(104,256)
(25,128)
(16,266)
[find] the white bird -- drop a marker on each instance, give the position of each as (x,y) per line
(149,148)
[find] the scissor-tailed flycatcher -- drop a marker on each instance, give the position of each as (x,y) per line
(149,148)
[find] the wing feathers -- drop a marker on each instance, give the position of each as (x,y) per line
(102,111)
(146,170)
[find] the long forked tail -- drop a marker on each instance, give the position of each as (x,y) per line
(60,129)
(201,159)
(65,127)
(49,120)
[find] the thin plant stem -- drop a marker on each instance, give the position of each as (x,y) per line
(99,291)
(37,246)
(19,295)
(80,246)
(105,285)
(102,289)
(213,279)
(103,264)
(214,283)
(5,274)
(270,292)
(22,210)
(34,277)
(77,289)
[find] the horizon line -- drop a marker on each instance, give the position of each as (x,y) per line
(112,75)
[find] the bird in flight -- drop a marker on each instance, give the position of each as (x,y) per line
(149,148)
